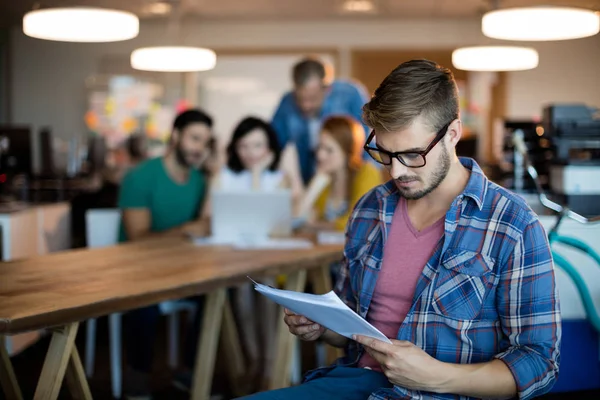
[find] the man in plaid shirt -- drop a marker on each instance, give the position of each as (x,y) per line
(455,269)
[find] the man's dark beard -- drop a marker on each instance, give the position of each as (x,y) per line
(438,177)
(180,157)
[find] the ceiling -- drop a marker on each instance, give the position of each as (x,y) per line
(11,11)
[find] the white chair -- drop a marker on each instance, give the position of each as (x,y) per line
(102,230)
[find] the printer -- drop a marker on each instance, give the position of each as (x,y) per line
(574,171)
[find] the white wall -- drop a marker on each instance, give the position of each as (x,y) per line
(48,77)
(243,85)
(569,71)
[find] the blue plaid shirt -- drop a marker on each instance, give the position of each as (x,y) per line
(487,292)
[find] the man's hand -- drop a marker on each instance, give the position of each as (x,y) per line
(199,228)
(405,364)
(303,327)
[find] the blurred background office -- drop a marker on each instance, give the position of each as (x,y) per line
(76,115)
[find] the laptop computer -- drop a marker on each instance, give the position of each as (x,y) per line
(250,217)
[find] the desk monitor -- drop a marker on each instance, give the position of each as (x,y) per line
(16,157)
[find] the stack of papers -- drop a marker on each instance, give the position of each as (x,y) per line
(331,237)
(326,310)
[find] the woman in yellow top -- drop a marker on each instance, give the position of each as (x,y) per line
(342,176)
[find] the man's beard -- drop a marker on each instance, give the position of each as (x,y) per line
(180,157)
(437,177)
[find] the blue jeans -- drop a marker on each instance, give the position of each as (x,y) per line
(343,383)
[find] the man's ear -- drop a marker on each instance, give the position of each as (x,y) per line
(175,136)
(454,132)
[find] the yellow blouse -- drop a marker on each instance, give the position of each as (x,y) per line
(365,179)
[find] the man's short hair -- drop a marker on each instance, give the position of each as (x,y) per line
(306,70)
(415,88)
(194,116)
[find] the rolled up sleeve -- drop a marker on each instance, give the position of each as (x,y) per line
(343,287)
(354,229)
(529,314)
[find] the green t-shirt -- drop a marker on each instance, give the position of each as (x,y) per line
(171,204)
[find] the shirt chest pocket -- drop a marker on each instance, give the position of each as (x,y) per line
(465,279)
(362,254)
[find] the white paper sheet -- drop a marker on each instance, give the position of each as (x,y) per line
(327,310)
(255,244)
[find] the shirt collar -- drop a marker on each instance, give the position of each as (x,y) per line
(475,190)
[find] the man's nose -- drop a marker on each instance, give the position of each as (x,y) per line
(397,169)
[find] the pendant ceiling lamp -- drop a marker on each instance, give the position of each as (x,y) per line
(359,6)
(495,58)
(81,24)
(540,23)
(173,59)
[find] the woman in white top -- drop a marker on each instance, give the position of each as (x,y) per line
(255,162)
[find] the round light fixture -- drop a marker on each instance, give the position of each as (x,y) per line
(173,59)
(358,6)
(495,58)
(81,24)
(157,8)
(540,23)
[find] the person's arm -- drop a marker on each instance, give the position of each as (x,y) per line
(529,312)
(257,171)
(365,180)
(409,366)
(279,121)
(490,380)
(312,194)
(530,318)
(134,202)
(289,165)
(137,223)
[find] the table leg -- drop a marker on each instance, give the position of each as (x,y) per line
(208,344)
(232,350)
(76,378)
(8,380)
(321,280)
(57,360)
(285,341)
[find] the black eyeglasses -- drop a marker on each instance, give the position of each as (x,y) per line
(411,159)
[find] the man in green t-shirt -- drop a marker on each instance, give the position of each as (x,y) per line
(163,196)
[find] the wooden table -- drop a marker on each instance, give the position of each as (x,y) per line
(59,290)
